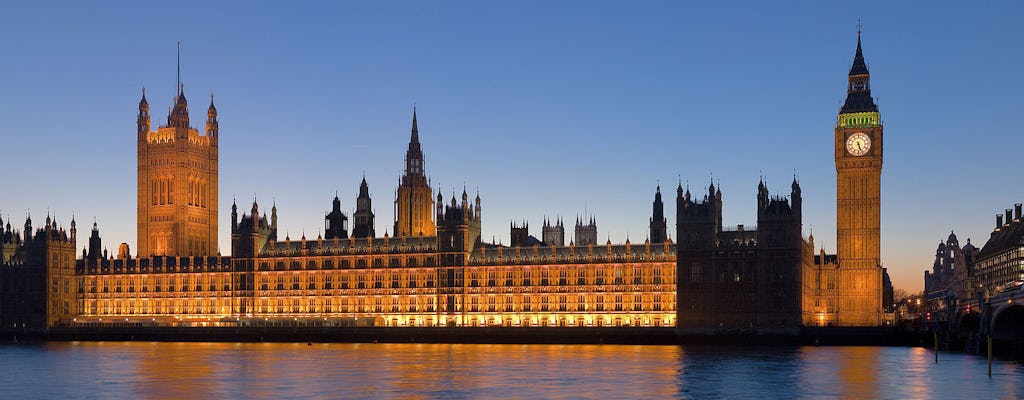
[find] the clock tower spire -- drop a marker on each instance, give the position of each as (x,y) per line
(858,155)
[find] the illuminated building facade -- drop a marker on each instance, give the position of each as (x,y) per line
(177,183)
(1000,263)
(451,279)
(435,272)
(413,199)
(858,157)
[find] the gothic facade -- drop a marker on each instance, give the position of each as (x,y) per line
(739,279)
(413,199)
(177,183)
(436,271)
(447,277)
(38,285)
(858,158)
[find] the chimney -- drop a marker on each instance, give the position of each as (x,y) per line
(1016,211)
(999,221)
(1009,216)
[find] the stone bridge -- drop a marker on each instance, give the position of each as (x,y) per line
(1000,317)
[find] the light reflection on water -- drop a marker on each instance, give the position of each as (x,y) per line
(265,370)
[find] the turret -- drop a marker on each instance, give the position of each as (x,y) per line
(796,198)
(336,223)
(440,205)
(28,228)
(273,221)
(586,234)
(255,213)
(762,195)
(363,217)
(658,223)
(477,206)
(519,234)
(143,118)
(414,155)
(178,117)
(234,216)
(211,121)
(95,244)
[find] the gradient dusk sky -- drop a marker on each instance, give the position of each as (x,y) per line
(548,108)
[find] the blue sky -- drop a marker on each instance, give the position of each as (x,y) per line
(549,108)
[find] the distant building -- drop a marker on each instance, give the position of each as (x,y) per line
(553,234)
(586,232)
(951,270)
(1000,263)
(520,235)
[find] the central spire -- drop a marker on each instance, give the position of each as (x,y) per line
(858,90)
(415,131)
(178,117)
(414,156)
(179,69)
(859,67)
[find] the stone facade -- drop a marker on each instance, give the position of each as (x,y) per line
(177,183)
(38,285)
(858,156)
(413,199)
(740,279)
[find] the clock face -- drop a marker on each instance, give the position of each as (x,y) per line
(858,144)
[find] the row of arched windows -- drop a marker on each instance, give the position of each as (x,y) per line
(197,192)
(162,190)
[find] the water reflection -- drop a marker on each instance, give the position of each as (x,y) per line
(264,370)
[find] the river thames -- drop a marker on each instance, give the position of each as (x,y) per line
(151,370)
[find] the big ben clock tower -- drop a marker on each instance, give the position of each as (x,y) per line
(858,153)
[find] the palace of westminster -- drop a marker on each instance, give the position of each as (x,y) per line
(436,271)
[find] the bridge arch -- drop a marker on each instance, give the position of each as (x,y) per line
(1008,322)
(968,323)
